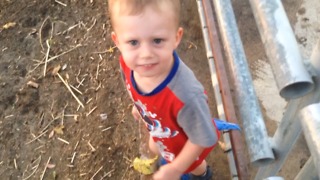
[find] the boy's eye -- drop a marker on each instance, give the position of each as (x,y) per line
(157,41)
(133,42)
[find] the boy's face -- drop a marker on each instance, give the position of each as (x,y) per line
(147,40)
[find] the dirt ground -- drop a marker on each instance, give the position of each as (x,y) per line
(46,125)
(44,131)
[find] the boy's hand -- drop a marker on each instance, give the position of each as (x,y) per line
(135,113)
(167,172)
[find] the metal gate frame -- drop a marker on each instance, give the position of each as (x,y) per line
(298,83)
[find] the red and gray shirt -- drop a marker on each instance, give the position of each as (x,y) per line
(175,111)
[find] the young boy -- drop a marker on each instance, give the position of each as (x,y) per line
(165,92)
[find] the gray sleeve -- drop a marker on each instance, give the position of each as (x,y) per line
(196,121)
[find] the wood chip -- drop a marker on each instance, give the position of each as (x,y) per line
(51,166)
(9,25)
(56,70)
(33,84)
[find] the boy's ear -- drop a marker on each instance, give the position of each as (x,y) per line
(114,38)
(178,36)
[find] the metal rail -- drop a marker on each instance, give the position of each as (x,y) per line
(290,126)
(310,120)
(300,87)
(222,89)
(283,53)
(216,88)
(253,124)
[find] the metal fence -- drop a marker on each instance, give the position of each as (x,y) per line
(298,83)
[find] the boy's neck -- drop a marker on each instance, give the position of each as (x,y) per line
(145,84)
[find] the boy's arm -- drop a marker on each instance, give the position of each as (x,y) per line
(181,163)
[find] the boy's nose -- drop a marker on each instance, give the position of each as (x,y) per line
(145,51)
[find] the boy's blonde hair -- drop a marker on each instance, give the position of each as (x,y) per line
(135,7)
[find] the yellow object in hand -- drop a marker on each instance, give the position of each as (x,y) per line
(145,166)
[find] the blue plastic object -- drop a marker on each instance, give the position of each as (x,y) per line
(226,126)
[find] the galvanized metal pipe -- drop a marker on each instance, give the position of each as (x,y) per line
(255,131)
(216,88)
(284,138)
(228,106)
(290,128)
(288,132)
(310,120)
(292,78)
(308,171)
(214,80)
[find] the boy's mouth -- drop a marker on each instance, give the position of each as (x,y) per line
(147,66)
